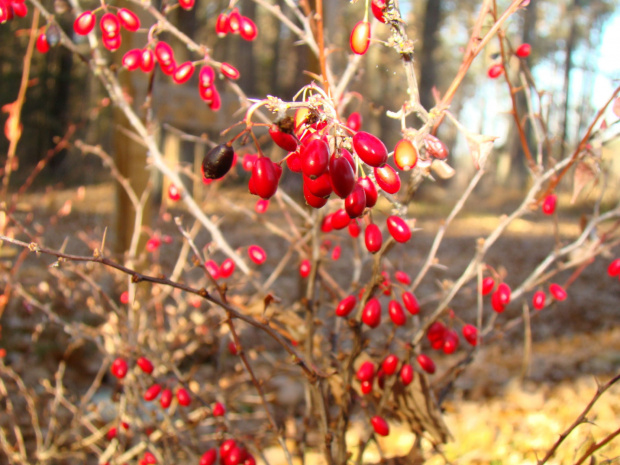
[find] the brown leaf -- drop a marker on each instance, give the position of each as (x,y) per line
(585,172)
(480,147)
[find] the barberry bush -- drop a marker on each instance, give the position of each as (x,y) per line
(223,332)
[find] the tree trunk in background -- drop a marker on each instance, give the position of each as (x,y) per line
(247,56)
(517,172)
(430,42)
(59,109)
(568,65)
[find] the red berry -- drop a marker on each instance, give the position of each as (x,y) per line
(496,303)
(366,371)
(293,161)
(227,268)
(341,174)
(187,4)
(229,71)
(346,306)
(380,426)
(226,447)
(250,460)
(373,238)
(131,60)
(219,410)
(20,9)
(326,224)
(354,229)
(183,72)
(503,290)
(221,25)
(174,193)
(387,178)
(183,397)
(153,244)
(405,155)
(265,178)
(495,71)
(84,23)
(320,186)
(354,121)
(248,160)
(524,50)
(360,37)
(366,387)
(398,229)
(234,457)
(313,200)
(397,314)
(538,300)
(370,149)
(370,189)
(208,458)
(406,374)
(305,268)
(613,269)
(436,334)
(149,458)
(402,277)
(426,363)
(147,60)
(124,298)
(110,25)
(284,140)
(557,291)
(355,203)
(378,8)
(206,77)
(119,368)
(371,315)
(212,268)
(470,333)
(340,219)
(248,30)
(232,348)
(111,434)
(451,342)
(435,147)
(411,303)
(257,254)
(152,392)
(488,284)
(145,365)
(166,398)
(548,206)
(314,158)
(336,252)
(42,44)
(164,54)
(389,365)
(128,19)
(234,21)
(261,206)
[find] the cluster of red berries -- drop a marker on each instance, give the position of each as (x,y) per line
(500,297)
(367,373)
(11,8)
(156,241)
(539,299)
(230,452)
(497,69)
(120,368)
(235,23)
(110,25)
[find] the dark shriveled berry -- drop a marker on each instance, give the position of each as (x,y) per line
(218,161)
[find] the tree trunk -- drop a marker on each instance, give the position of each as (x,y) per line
(568,66)
(430,43)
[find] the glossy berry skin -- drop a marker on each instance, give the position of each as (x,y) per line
(378,8)
(305,268)
(164,54)
(166,398)
(341,175)
(337,251)
(355,203)
(398,229)
(613,269)
(284,140)
(183,397)
(373,238)
(110,25)
(230,71)
(495,71)
(315,158)
(548,206)
(371,315)
(380,426)
(411,303)
(397,314)
(152,392)
(402,277)
(218,161)
(261,206)
(42,44)
(435,147)
(212,268)
(366,371)
(405,155)
(119,368)
(451,342)
(496,303)
(147,60)
(538,300)
(265,178)
(208,458)
(503,291)
(366,387)
(149,458)
(221,25)
(488,284)
(387,178)
(183,72)
(470,333)
(145,365)
(226,447)
(132,59)
(346,306)
(370,190)
(557,291)
(354,121)
(128,19)
(234,21)
(370,149)
(524,50)
(187,4)
(360,38)
(84,23)
(406,374)
(219,410)
(313,200)
(426,363)
(247,29)
(354,229)
(227,268)
(390,364)
(340,219)
(257,254)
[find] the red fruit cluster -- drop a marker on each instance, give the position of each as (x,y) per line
(442,338)
(235,23)
(225,270)
(501,297)
(230,452)
(110,25)
(11,8)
